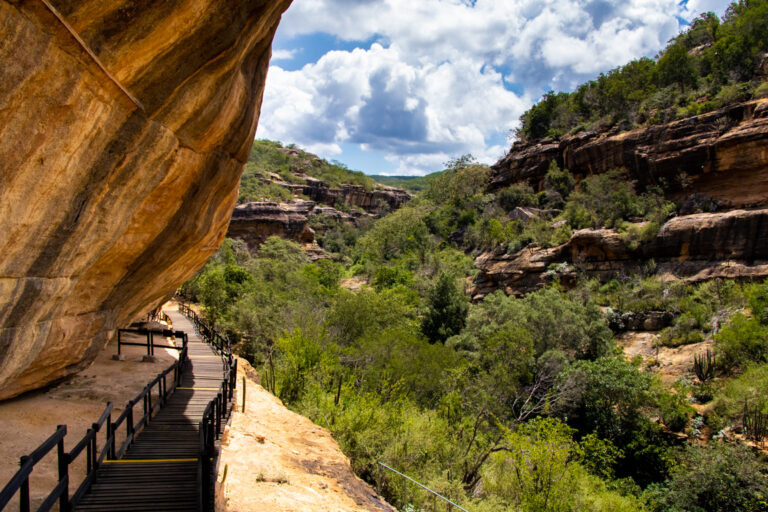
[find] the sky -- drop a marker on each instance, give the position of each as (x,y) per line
(399,87)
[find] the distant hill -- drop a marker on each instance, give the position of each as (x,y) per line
(290,163)
(409,183)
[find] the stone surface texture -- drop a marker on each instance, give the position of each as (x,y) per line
(106,204)
(723,154)
(696,247)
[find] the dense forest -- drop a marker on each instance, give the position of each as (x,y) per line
(520,403)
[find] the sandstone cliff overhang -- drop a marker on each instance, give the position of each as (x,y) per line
(125,129)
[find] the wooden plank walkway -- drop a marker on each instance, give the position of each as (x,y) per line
(159,471)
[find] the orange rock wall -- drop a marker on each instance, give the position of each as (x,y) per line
(107,206)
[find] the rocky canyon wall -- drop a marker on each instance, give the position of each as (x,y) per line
(723,154)
(126,125)
(731,245)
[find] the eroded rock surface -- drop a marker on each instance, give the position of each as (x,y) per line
(695,247)
(722,154)
(256,221)
(108,204)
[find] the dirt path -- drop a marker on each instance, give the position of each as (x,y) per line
(278,461)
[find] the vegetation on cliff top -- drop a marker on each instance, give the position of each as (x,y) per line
(711,64)
(290,163)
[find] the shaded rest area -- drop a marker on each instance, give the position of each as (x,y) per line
(28,420)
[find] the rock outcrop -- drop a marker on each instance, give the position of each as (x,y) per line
(256,221)
(722,154)
(379,199)
(695,247)
(125,129)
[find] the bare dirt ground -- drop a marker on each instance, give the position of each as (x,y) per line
(28,420)
(353,283)
(669,363)
(278,461)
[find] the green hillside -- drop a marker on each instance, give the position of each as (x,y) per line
(711,64)
(272,157)
(528,403)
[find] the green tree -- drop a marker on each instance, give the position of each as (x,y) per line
(676,67)
(447,308)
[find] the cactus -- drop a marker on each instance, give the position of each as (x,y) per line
(704,365)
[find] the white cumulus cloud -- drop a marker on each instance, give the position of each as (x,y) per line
(439,81)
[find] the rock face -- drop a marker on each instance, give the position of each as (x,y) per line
(377,200)
(722,154)
(692,247)
(125,129)
(255,222)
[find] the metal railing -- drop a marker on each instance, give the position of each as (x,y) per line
(435,496)
(150,343)
(89,443)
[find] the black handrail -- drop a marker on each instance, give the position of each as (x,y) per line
(89,444)
(217,410)
(150,343)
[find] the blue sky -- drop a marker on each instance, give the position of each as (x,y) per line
(402,86)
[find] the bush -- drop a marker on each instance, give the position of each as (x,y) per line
(741,341)
(714,477)
(520,194)
(602,200)
(560,181)
(749,387)
(447,307)
(761,91)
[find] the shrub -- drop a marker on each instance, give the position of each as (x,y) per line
(560,181)
(742,341)
(761,91)
(520,194)
(447,307)
(714,477)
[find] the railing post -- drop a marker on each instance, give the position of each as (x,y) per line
(218,414)
(118,342)
(89,449)
(149,335)
(63,471)
(147,409)
(112,437)
(243,393)
(129,420)
(24,505)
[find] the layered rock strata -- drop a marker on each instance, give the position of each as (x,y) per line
(125,129)
(722,154)
(695,247)
(256,221)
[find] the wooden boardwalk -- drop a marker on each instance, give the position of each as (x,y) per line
(159,472)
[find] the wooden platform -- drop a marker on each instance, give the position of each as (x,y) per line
(159,471)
